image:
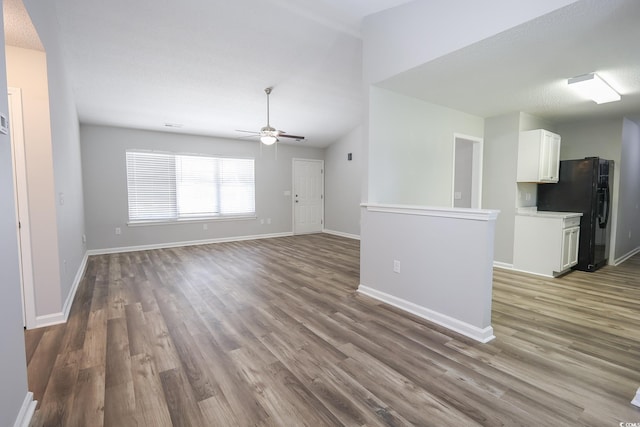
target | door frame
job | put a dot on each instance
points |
(293, 199)
(23, 227)
(476, 176)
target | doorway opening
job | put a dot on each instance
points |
(22, 207)
(467, 172)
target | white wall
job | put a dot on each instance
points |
(628, 229)
(343, 183)
(13, 368)
(411, 147)
(105, 186)
(66, 219)
(599, 138)
(412, 34)
(27, 70)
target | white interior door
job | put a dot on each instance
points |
(308, 196)
(16, 132)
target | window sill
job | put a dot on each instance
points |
(191, 220)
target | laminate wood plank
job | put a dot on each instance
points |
(32, 339)
(94, 350)
(182, 405)
(118, 361)
(42, 361)
(119, 406)
(57, 400)
(217, 411)
(88, 398)
(137, 330)
(272, 332)
(164, 351)
(151, 404)
(417, 405)
(241, 396)
(193, 362)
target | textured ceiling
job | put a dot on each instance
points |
(17, 26)
(526, 68)
(205, 64)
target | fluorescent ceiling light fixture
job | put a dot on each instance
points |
(593, 87)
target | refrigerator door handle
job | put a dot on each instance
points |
(606, 202)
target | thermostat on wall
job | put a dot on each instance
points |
(4, 124)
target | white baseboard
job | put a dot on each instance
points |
(502, 265)
(66, 309)
(61, 317)
(26, 411)
(483, 335)
(636, 400)
(625, 257)
(107, 251)
(341, 234)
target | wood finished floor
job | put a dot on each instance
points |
(272, 333)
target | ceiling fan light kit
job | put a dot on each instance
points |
(594, 87)
(268, 134)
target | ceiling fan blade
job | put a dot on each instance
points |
(296, 137)
(248, 131)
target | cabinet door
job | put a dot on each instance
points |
(570, 240)
(549, 157)
(574, 240)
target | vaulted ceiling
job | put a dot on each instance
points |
(204, 65)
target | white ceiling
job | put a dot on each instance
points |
(205, 64)
(526, 68)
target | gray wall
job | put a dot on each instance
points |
(343, 184)
(411, 146)
(105, 186)
(65, 142)
(628, 233)
(499, 179)
(13, 369)
(499, 187)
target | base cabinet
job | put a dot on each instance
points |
(570, 240)
(547, 243)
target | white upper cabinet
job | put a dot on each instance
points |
(538, 156)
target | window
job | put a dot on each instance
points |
(170, 187)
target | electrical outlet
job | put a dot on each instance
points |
(527, 197)
(84, 238)
(629, 234)
(268, 220)
(396, 266)
(261, 221)
(205, 226)
(118, 231)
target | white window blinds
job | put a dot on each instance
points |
(164, 186)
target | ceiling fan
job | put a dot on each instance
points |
(269, 135)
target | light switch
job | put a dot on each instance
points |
(457, 195)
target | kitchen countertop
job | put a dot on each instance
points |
(548, 214)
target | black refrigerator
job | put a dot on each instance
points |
(584, 186)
